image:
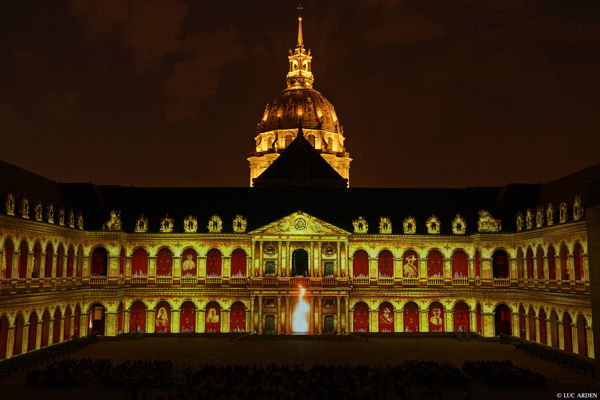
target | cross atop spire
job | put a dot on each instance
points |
(300, 72)
(300, 38)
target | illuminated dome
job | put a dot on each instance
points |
(285, 110)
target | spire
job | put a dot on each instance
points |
(300, 73)
(300, 38)
(300, 133)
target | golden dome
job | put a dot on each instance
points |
(309, 104)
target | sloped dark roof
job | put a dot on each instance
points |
(300, 164)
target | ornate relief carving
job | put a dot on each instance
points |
(24, 208)
(61, 216)
(71, 219)
(360, 225)
(562, 213)
(577, 209)
(10, 204)
(433, 225)
(38, 211)
(519, 221)
(114, 222)
(539, 218)
(79, 220)
(529, 218)
(549, 214)
(190, 224)
(487, 223)
(385, 225)
(409, 225)
(50, 214)
(239, 224)
(141, 224)
(299, 223)
(215, 225)
(459, 225)
(166, 224)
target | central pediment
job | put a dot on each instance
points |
(300, 223)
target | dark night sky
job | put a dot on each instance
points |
(430, 93)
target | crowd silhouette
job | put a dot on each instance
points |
(503, 374)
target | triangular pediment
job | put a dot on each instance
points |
(300, 223)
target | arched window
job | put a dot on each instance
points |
(520, 269)
(522, 327)
(567, 332)
(9, 252)
(386, 317)
(435, 265)
(139, 263)
(360, 264)
(361, 317)
(436, 317)
(96, 318)
(67, 328)
(137, 317)
(410, 264)
(500, 264)
(213, 318)
(299, 263)
(70, 261)
(60, 261)
(99, 262)
(529, 261)
(56, 330)
(213, 263)
(189, 259)
(578, 262)
(23, 255)
(551, 263)
(164, 262)
(238, 263)
(238, 317)
(3, 336)
(460, 265)
(542, 322)
(411, 317)
(539, 254)
(162, 321)
(582, 344)
(45, 328)
(564, 262)
(37, 261)
(33, 321)
(461, 317)
(502, 320)
(18, 339)
(532, 330)
(187, 317)
(385, 264)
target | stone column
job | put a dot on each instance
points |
(175, 317)
(423, 321)
(537, 330)
(561, 335)
(260, 312)
(111, 319)
(25, 341)
(38, 336)
(278, 318)
(226, 271)
(150, 320)
(288, 315)
(351, 321)
(318, 312)
(201, 270)
(449, 321)
(200, 325)
(338, 322)
(447, 273)
(61, 334)
(251, 322)
(374, 321)
(10, 341)
(571, 269)
(488, 324)
(125, 321)
(548, 332)
(338, 261)
(514, 324)
(422, 268)
(259, 268)
(471, 268)
(398, 321)
(590, 342)
(83, 326)
(51, 331)
(225, 321)
(472, 321)
(574, 339)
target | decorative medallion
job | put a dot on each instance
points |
(61, 216)
(270, 250)
(190, 224)
(239, 224)
(529, 218)
(577, 209)
(50, 214)
(519, 221)
(562, 213)
(215, 225)
(409, 225)
(539, 217)
(385, 225)
(114, 222)
(166, 224)
(300, 224)
(360, 225)
(24, 208)
(329, 250)
(79, 220)
(71, 219)
(550, 214)
(487, 223)
(38, 211)
(433, 225)
(10, 204)
(459, 225)
(141, 224)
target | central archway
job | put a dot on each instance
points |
(300, 263)
(502, 320)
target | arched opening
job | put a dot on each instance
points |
(529, 261)
(3, 336)
(189, 258)
(542, 322)
(18, 339)
(213, 318)
(554, 329)
(79, 261)
(461, 317)
(564, 262)
(9, 252)
(582, 345)
(411, 317)
(45, 329)
(33, 322)
(578, 262)
(23, 255)
(410, 264)
(300, 262)
(539, 255)
(329, 325)
(567, 332)
(520, 269)
(460, 265)
(238, 263)
(478, 318)
(522, 327)
(360, 264)
(238, 317)
(269, 324)
(137, 317)
(386, 317)
(551, 263)
(532, 330)
(70, 261)
(37, 260)
(385, 264)
(120, 319)
(96, 319)
(435, 265)
(500, 264)
(67, 330)
(56, 326)
(361, 317)
(187, 317)
(77, 322)
(164, 262)
(436, 317)
(477, 264)
(502, 320)
(162, 321)
(99, 262)
(60, 261)
(139, 263)
(213, 263)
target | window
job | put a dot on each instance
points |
(270, 268)
(329, 268)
